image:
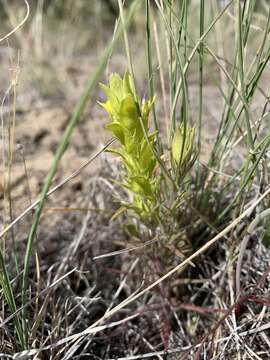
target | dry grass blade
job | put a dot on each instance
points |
(20, 24)
(44, 291)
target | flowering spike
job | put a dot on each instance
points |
(127, 115)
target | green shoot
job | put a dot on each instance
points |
(140, 164)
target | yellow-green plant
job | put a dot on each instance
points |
(130, 125)
(182, 148)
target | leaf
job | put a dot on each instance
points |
(118, 213)
(182, 144)
(132, 141)
(146, 110)
(140, 185)
(117, 131)
(132, 230)
(128, 110)
(116, 86)
(127, 85)
(112, 99)
(127, 159)
(147, 106)
(108, 107)
(147, 160)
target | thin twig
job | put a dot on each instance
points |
(20, 24)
